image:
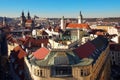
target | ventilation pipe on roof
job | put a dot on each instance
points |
(42, 45)
(23, 36)
(52, 30)
(22, 46)
(26, 50)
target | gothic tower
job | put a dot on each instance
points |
(28, 16)
(80, 18)
(23, 19)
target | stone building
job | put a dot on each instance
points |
(89, 61)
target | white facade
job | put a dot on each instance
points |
(80, 18)
(113, 30)
(62, 23)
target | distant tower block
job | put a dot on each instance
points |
(62, 23)
(80, 17)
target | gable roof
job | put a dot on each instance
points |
(29, 21)
(21, 53)
(75, 25)
(35, 42)
(41, 53)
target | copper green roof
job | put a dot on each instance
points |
(71, 59)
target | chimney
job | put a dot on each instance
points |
(42, 45)
(26, 50)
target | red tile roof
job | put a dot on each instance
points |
(85, 50)
(35, 42)
(21, 52)
(75, 25)
(11, 39)
(41, 53)
(28, 21)
(117, 27)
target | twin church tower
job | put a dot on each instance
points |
(27, 22)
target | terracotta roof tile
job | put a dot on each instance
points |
(28, 21)
(75, 25)
(35, 42)
(117, 27)
(41, 53)
(21, 52)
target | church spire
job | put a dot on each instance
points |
(22, 13)
(28, 17)
(80, 18)
(23, 19)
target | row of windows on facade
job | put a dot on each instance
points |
(83, 72)
(115, 53)
(41, 37)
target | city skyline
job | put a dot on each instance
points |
(59, 8)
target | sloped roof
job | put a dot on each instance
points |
(75, 25)
(28, 21)
(82, 55)
(85, 50)
(21, 53)
(41, 53)
(117, 27)
(35, 42)
(57, 58)
(99, 42)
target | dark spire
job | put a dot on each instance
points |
(81, 14)
(23, 19)
(28, 15)
(22, 13)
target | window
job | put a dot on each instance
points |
(61, 71)
(84, 72)
(81, 72)
(40, 72)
